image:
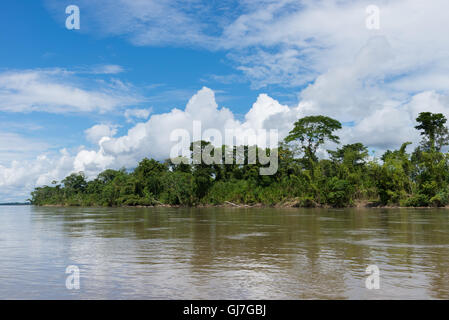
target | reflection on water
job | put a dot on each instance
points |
(219, 253)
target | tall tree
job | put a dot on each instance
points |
(435, 133)
(313, 131)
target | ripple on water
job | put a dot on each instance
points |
(242, 236)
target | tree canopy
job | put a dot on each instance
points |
(313, 131)
(435, 133)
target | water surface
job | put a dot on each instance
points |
(223, 253)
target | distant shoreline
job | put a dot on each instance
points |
(16, 204)
(286, 204)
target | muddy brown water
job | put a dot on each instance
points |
(223, 253)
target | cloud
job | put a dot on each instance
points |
(19, 178)
(107, 69)
(15, 146)
(147, 22)
(95, 133)
(131, 114)
(367, 93)
(328, 34)
(286, 67)
(286, 43)
(60, 91)
(352, 91)
(154, 134)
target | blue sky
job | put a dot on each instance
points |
(112, 92)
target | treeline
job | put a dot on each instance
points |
(348, 175)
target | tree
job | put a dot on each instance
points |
(352, 155)
(202, 172)
(109, 175)
(393, 177)
(179, 188)
(148, 173)
(313, 131)
(75, 182)
(432, 126)
(149, 167)
(179, 164)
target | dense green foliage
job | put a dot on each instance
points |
(420, 178)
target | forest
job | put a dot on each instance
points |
(348, 176)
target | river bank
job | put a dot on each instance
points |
(359, 204)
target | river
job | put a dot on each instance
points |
(223, 253)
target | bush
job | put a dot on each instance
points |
(134, 200)
(441, 199)
(236, 191)
(306, 202)
(338, 192)
(417, 200)
(178, 188)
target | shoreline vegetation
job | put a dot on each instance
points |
(349, 177)
(282, 205)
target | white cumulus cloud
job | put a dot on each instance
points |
(99, 131)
